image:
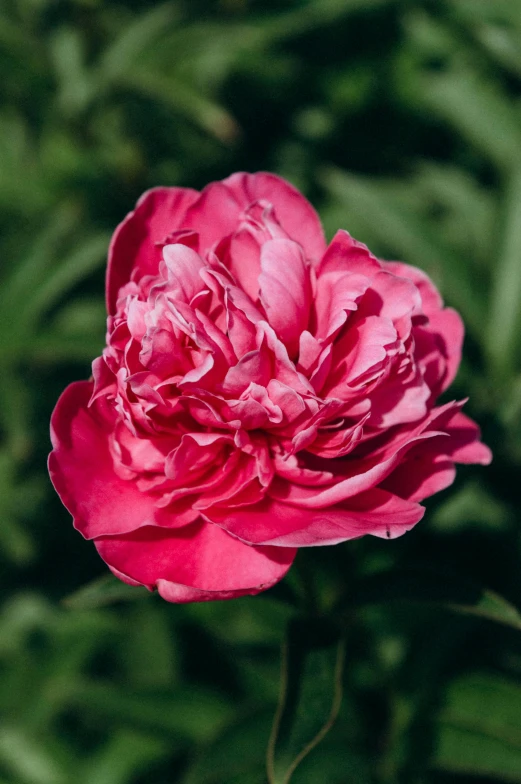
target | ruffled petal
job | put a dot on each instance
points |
(133, 249)
(273, 522)
(216, 213)
(82, 469)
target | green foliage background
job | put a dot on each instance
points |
(401, 120)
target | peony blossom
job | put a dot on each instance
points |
(260, 391)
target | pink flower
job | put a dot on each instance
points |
(259, 392)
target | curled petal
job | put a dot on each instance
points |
(133, 249)
(82, 470)
(273, 522)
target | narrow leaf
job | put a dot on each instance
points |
(482, 112)
(479, 728)
(502, 333)
(103, 591)
(310, 696)
(445, 590)
(84, 260)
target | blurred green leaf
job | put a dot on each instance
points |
(67, 52)
(27, 758)
(310, 697)
(191, 103)
(124, 755)
(237, 752)
(480, 110)
(502, 43)
(142, 32)
(480, 728)
(470, 507)
(447, 590)
(502, 334)
(38, 260)
(105, 590)
(187, 713)
(16, 543)
(87, 257)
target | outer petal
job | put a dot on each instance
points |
(158, 213)
(429, 468)
(465, 446)
(82, 471)
(423, 472)
(215, 214)
(431, 299)
(448, 324)
(273, 522)
(197, 563)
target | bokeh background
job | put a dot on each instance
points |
(401, 121)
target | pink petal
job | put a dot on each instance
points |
(449, 326)
(337, 293)
(197, 563)
(424, 471)
(393, 298)
(133, 250)
(285, 290)
(252, 367)
(396, 402)
(464, 444)
(360, 355)
(346, 254)
(183, 266)
(273, 522)
(243, 261)
(82, 471)
(364, 474)
(293, 211)
(429, 468)
(431, 299)
(217, 211)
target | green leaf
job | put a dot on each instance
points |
(502, 333)
(481, 111)
(103, 591)
(39, 259)
(225, 760)
(135, 38)
(211, 117)
(126, 753)
(439, 588)
(480, 728)
(85, 259)
(472, 506)
(28, 758)
(186, 713)
(310, 696)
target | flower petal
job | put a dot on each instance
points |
(82, 469)
(133, 248)
(273, 522)
(285, 290)
(196, 563)
(217, 211)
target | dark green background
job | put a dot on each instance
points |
(401, 121)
